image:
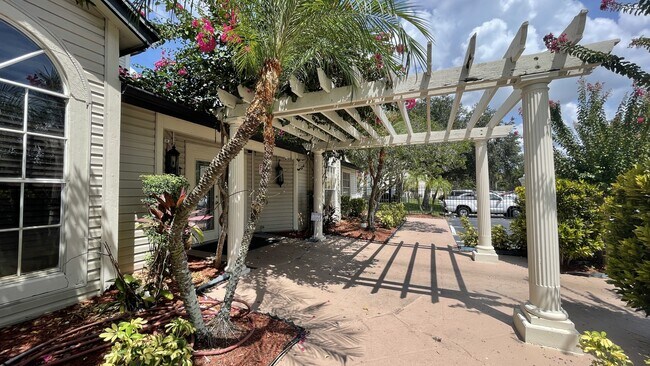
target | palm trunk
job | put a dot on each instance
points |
(258, 111)
(223, 325)
(224, 197)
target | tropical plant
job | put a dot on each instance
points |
(606, 352)
(131, 347)
(628, 236)
(357, 207)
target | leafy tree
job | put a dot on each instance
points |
(598, 149)
(268, 41)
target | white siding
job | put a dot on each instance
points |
(137, 157)
(277, 215)
(82, 33)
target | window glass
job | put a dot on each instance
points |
(44, 157)
(12, 106)
(42, 204)
(14, 43)
(40, 249)
(46, 114)
(9, 205)
(11, 154)
(8, 253)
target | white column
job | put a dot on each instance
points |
(318, 195)
(484, 250)
(541, 320)
(236, 201)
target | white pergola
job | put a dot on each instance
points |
(541, 320)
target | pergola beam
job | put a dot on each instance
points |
(511, 56)
(343, 124)
(418, 138)
(381, 114)
(365, 125)
(297, 87)
(291, 130)
(327, 129)
(304, 126)
(464, 72)
(504, 109)
(324, 81)
(482, 76)
(405, 117)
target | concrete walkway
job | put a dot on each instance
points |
(417, 301)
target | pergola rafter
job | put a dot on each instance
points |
(464, 73)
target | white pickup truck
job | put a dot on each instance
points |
(465, 204)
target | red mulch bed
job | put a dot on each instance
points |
(267, 341)
(351, 228)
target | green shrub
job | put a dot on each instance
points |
(155, 185)
(391, 214)
(605, 351)
(500, 238)
(628, 237)
(580, 220)
(357, 207)
(131, 347)
(518, 225)
(470, 235)
(345, 206)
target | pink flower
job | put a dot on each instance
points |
(142, 13)
(168, 85)
(160, 64)
(553, 104)
(247, 49)
(639, 92)
(640, 119)
(195, 23)
(378, 37)
(182, 72)
(179, 6)
(206, 42)
(410, 104)
(399, 48)
(207, 26)
(607, 4)
(516, 133)
(555, 44)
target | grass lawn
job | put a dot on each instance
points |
(413, 207)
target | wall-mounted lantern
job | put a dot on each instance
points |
(171, 161)
(279, 174)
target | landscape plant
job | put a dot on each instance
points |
(131, 347)
(628, 237)
(391, 215)
(605, 352)
(357, 207)
(579, 217)
(500, 238)
(469, 236)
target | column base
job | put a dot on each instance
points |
(316, 238)
(485, 256)
(561, 334)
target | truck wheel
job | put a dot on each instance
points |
(462, 211)
(513, 212)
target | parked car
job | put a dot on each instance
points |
(465, 204)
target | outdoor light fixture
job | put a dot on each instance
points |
(279, 174)
(171, 161)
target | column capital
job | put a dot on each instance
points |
(532, 82)
(480, 142)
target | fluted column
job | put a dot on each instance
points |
(541, 320)
(318, 195)
(236, 201)
(484, 250)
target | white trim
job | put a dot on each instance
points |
(112, 130)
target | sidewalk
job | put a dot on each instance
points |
(416, 301)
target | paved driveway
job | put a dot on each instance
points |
(416, 301)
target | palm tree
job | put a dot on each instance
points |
(272, 40)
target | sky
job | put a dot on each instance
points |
(497, 21)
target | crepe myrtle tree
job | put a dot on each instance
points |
(611, 62)
(267, 42)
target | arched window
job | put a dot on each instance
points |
(33, 141)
